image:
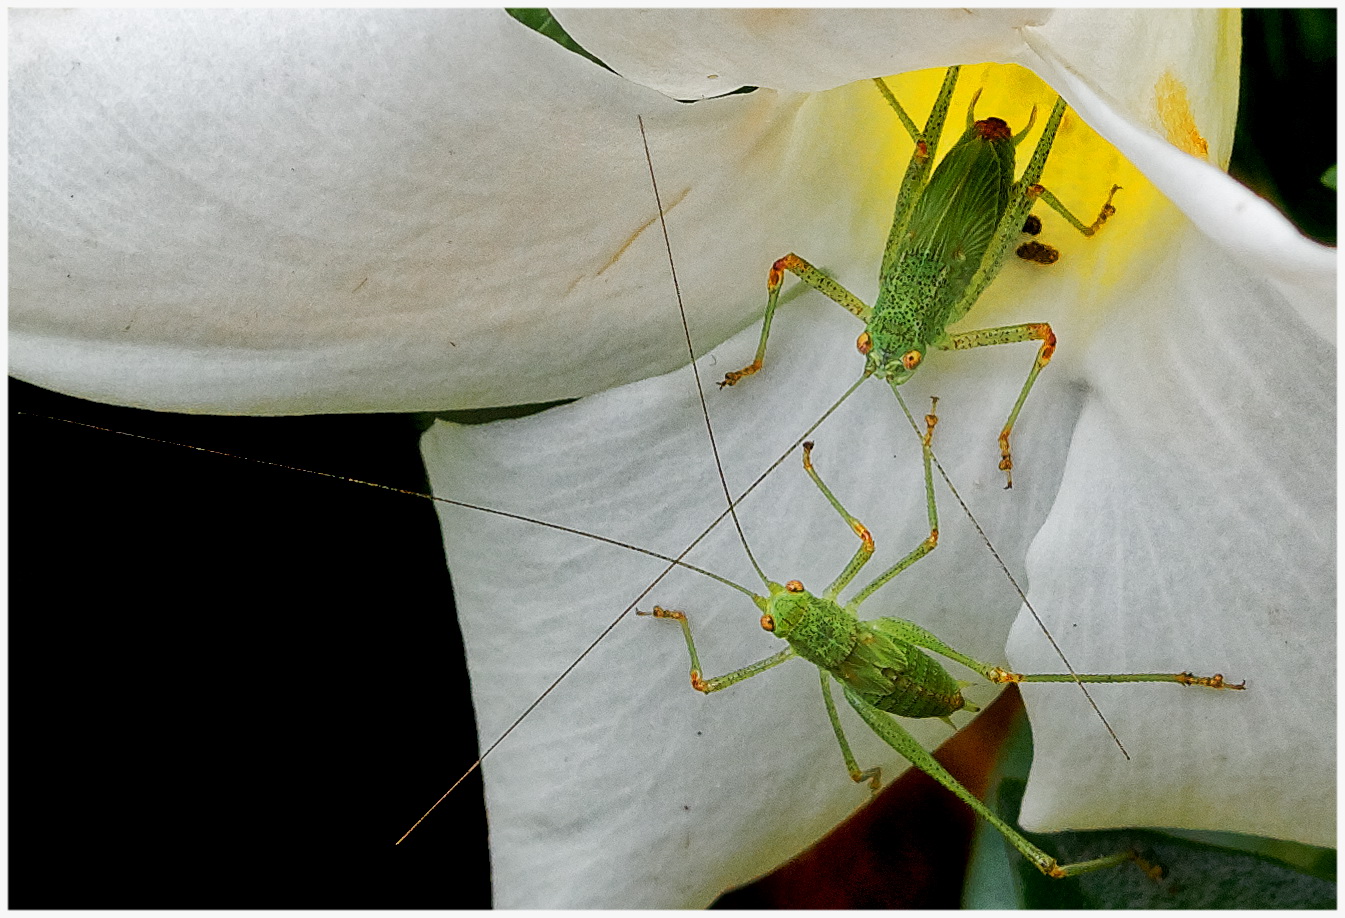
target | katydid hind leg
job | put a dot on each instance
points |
(892, 733)
(895, 736)
(921, 163)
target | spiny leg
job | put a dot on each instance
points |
(1026, 192)
(932, 540)
(922, 159)
(1043, 254)
(717, 682)
(813, 278)
(1029, 185)
(896, 736)
(1037, 330)
(873, 775)
(865, 550)
(1010, 334)
(1055, 204)
(906, 121)
(1217, 681)
(910, 631)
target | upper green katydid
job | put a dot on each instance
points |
(951, 232)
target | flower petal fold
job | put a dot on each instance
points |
(694, 54)
(1194, 530)
(288, 211)
(1167, 332)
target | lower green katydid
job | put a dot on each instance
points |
(952, 230)
(883, 668)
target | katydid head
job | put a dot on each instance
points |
(896, 359)
(785, 608)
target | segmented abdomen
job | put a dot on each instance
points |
(896, 676)
(922, 689)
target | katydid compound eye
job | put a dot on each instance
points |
(911, 359)
(864, 343)
(767, 623)
(794, 586)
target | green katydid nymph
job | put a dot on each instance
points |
(952, 230)
(884, 669)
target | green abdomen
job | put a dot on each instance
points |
(922, 689)
(896, 676)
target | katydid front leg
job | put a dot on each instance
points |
(715, 683)
(819, 281)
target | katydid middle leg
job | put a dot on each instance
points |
(1025, 193)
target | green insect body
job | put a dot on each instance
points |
(939, 249)
(952, 229)
(885, 666)
(877, 659)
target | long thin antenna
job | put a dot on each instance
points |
(1014, 581)
(674, 563)
(691, 355)
(729, 511)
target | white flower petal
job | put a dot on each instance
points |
(415, 234)
(286, 211)
(1218, 347)
(1172, 70)
(1208, 549)
(214, 297)
(1245, 226)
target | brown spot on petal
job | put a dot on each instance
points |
(1174, 112)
